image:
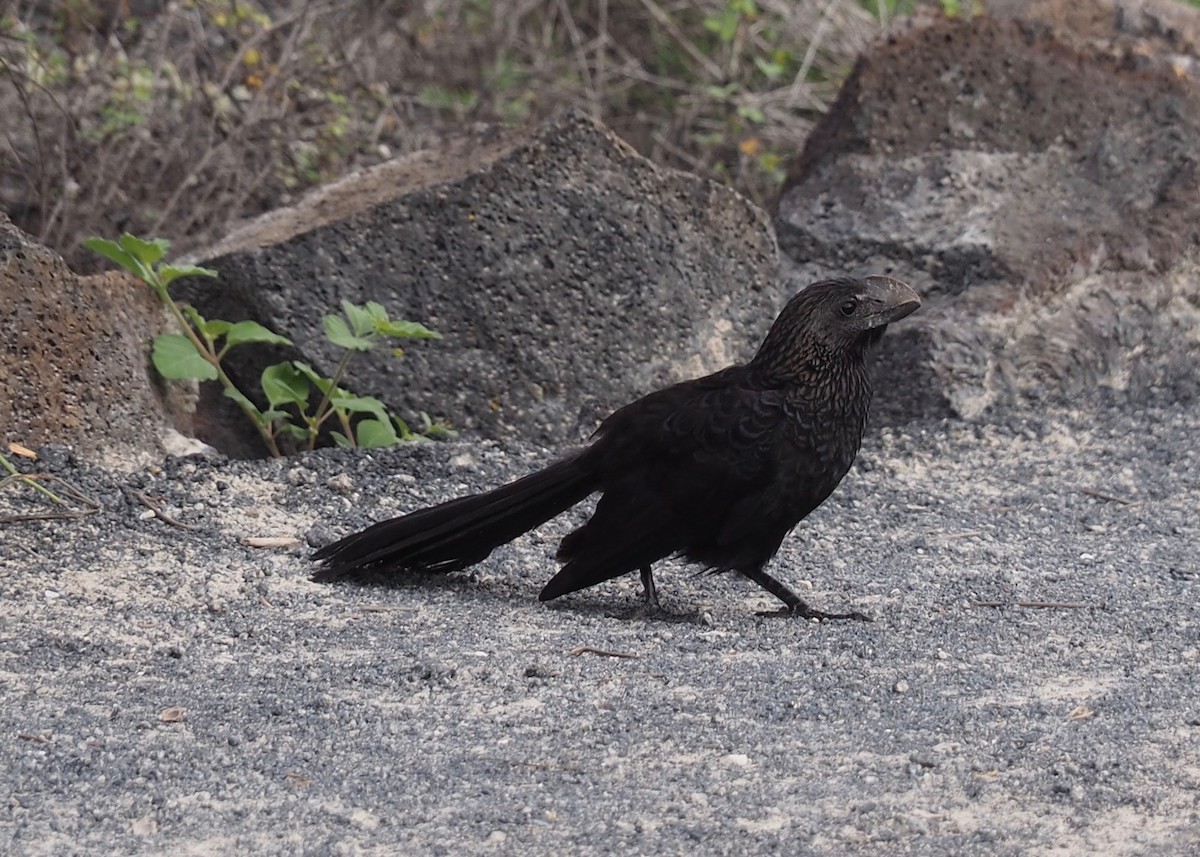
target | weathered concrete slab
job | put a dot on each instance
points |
(74, 357)
(567, 274)
(1037, 176)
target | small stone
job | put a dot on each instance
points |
(922, 758)
(900, 687)
(298, 476)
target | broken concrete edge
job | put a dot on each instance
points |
(360, 192)
(363, 189)
(1058, 247)
(75, 359)
(549, 267)
(849, 129)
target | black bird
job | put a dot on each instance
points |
(716, 470)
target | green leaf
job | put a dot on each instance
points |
(407, 330)
(113, 251)
(299, 433)
(361, 321)
(360, 405)
(194, 316)
(168, 273)
(440, 98)
(339, 334)
(430, 429)
(721, 93)
(176, 357)
(724, 24)
(373, 434)
(284, 384)
(252, 331)
(377, 312)
(319, 381)
(272, 415)
(214, 328)
(146, 252)
(341, 440)
(751, 113)
(770, 70)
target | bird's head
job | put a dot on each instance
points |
(834, 319)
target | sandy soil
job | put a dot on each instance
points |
(177, 690)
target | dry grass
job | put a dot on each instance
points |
(174, 119)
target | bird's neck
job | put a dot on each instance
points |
(829, 387)
(813, 367)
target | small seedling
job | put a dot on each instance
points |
(294, 382)
(196, 352)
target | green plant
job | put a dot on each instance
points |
(188, 115)
(34, 481)
(294, 382)
(16, 475)
(888, 9)
(196, 353)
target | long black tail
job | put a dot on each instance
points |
(459, 533)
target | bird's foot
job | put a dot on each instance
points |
(650, 608)
(795, 605)
(805, 612)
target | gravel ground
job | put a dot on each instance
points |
(176, 690)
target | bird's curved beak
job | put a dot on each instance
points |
(891, 300)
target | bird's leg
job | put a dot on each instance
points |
(651, 609)
(795, 604)
(649, 589)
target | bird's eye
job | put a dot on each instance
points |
(847, 309)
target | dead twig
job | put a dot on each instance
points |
(271, 541)
(35, 738)
(1039, 605)
(591, 650)
(381, 608)
(1112, 498)
(160, 513)
(698, 56)
(30, 480)
(34, 480)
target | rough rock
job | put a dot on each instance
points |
(1034, 172)
(74, 357)
(567, 274)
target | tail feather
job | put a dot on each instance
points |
(617, 558)
(610, 545)
(459, 533)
